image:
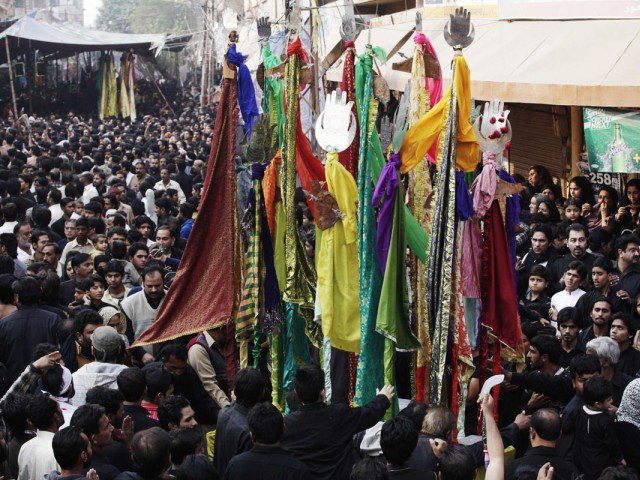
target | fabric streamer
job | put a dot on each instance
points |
(421, 136)
(338, 288)
(484, 186)
(499, 299)
(112, 88)
(370, 374)
(289, 348)
(300, 283)
(246, 92)
(423, 96)
(384, 199)
(433, 86)
(349, 157)
(442, 244)
(273, 99)
(131, 83)
(260, 302)
(393, 310)
(124, 91)
(205, 291)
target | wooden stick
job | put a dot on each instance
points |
(161, 94)
(13, 91)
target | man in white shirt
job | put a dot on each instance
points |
(107, 348)
(165, 183)
(573, 277)
(89, 190)
(23, 235)
(36, 457)
(53, 201)
(81, 243)
(10, 213)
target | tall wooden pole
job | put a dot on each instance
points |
(13, 91)
(576, 140)
(205, 63)
(205, 58)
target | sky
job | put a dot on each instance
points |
(91, 11)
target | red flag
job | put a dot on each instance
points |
(204, 292)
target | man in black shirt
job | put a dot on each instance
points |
(93, 422)
(601, 278)
(544, 433)
(627, 269)
(266, 460)
(569, 331)
(25, 328)
(152, 452)
(320, 435)
(600, 317)
(232, 429)
(577, 241)
(546, 376)
(398, 439)
(623, 331)
(132, 386)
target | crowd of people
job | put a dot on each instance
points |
(94, 220)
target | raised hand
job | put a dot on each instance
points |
(418, 22)
(459, 31)
(545, 472)
(47, 361)
(348, 28)
(127, 428)
(388, 391)
(264, 27)
(492, 127)
(336, 125)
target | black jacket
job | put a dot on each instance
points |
(140, 417)
(20, 332)
(630, 281)
(119, 456)
(320, 435)
(232, 435)
(596, 445)
(534, 310)
(536, 457)
(264, 462)
(185, 181)
(557, 387)
(585, 304)
(69, 352)
(67, 291)
(629, 438)
(629, 362)
(189, 386)
(424, 460)
(103, 467)
(58, 227)
(558, 267)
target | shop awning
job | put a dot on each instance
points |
(28, 35)
(554, 62)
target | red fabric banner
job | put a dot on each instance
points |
(204, 291)
(499, 299)
(349, 157)
(308, 166)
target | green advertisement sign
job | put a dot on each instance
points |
(613, 140)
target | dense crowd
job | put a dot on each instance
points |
(95, 217)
